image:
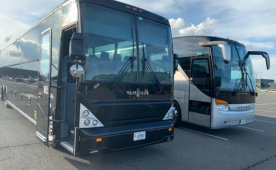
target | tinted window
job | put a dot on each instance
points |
(185, 63)
(201, 75)
(231, 73)
(109, 41)
(45, 56)
(189, 46)
(155, 51)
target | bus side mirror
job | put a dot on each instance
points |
(175, 61)
(226, 52)
(262, 53)
(76, 48)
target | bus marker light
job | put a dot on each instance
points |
(221, 102)
(140, 10)
(87, 122)
(95, 122)
(85, 113)
(135, 9)
(128, 7)
(99, 140)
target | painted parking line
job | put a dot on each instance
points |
(205, 134)
(265, 107)
(245, 127)
(271, 106)
(270, 111)
(265, 104)
(265, 121)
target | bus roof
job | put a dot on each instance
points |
(128, 8)
(108, 3)
(210, 38)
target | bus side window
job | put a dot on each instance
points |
(185, 63)
(201, 75)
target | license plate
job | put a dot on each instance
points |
(139, 136)
(243, 122)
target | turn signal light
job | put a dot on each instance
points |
(99, 140)
(170, 129)
(221, 102)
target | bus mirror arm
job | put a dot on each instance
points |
(262, 53)
(175, 61)
(76, 47)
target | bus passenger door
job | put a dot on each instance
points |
(44, 90)
(200, 92)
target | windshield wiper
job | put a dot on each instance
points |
(146, 65)
(244, 72)
(252, 91)
(240, 65)
(124, 69)
(237, 87)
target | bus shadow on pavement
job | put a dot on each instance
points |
(220, 133)
(117, 159)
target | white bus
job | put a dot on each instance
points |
(215, 86)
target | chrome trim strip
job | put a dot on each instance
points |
(21, 112)
(75, 142)
(38, 134)
(67, 146)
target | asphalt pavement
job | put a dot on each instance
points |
(246, 147)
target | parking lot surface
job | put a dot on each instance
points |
(246, 147)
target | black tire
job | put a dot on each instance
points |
(177, 116)
(8, 106)
(2, 93)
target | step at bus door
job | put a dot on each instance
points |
(44, 87)
(200, 92)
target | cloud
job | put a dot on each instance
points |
(8, 38)
(252, 45)
(10, 29)
(17, 16)
(179, 27)
(260, 67)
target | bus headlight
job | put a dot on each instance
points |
(223, 107)
(87, 122)
(88, 119)
(85, 113)
(170, 114)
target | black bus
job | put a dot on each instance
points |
(93, 75)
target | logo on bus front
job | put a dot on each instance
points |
(243, 107)
(138, 92)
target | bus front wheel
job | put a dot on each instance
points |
(177, 115)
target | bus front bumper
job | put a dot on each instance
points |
(229, 119)
(122, 137)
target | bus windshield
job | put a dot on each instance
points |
(234, 77)
(111, 47)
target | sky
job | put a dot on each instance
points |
(251, 22)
